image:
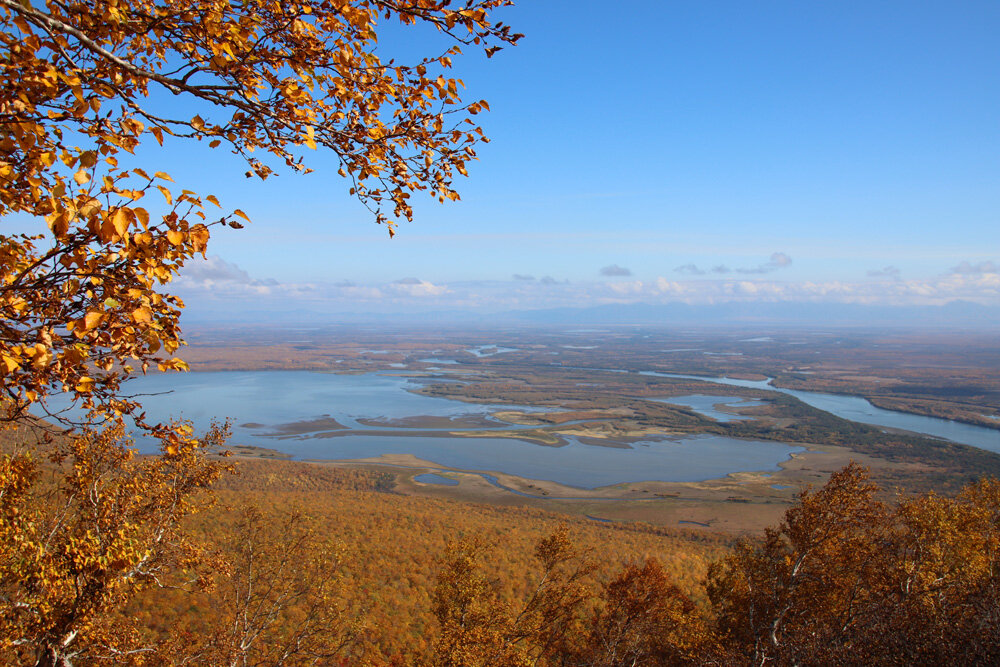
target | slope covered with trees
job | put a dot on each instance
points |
(305, 564)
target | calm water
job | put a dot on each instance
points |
(706, 405)
(432, 478)
(490, 350)
(690, 459)
(861, 410)
(280, 397)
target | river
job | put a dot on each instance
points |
(861, 410)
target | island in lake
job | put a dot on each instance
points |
(715, 428)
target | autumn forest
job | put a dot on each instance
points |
(277, 492)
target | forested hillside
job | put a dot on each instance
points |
(298, 563)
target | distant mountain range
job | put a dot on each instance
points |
(955, 314)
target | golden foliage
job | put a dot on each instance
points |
(390, 549)
(360, 579)
(84, 533)
(644, 619)
(478, 629)
(845, 580)
(279, 598)
(82, 87)
(83, 300)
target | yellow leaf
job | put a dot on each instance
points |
(92, 319)
(175, 237)
(85, 385)
(142, 315)
(121, 221)
(81, 177)
(241, 214)
(166, 194)
(199, 238)
(163, 176)
(12, 363)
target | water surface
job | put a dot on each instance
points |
(704, 404)
(279, 397)
(433, 478)
(861, 410)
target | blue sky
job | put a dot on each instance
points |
(693, 151)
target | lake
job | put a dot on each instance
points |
(271, 398)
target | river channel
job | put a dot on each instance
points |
(861, 410)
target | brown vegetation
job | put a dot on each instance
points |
(326, 565)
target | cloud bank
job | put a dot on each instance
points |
(215, 279)
(778, 260)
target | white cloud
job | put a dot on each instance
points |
(216, 280)
(214, 269)
(664, 286)
(420, 288)
(629, 287)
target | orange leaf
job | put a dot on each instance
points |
(121, 221)
(92, 319)
(142, 315)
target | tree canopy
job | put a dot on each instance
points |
(84, 294)
(84, 84)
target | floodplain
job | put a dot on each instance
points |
(595, 422)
